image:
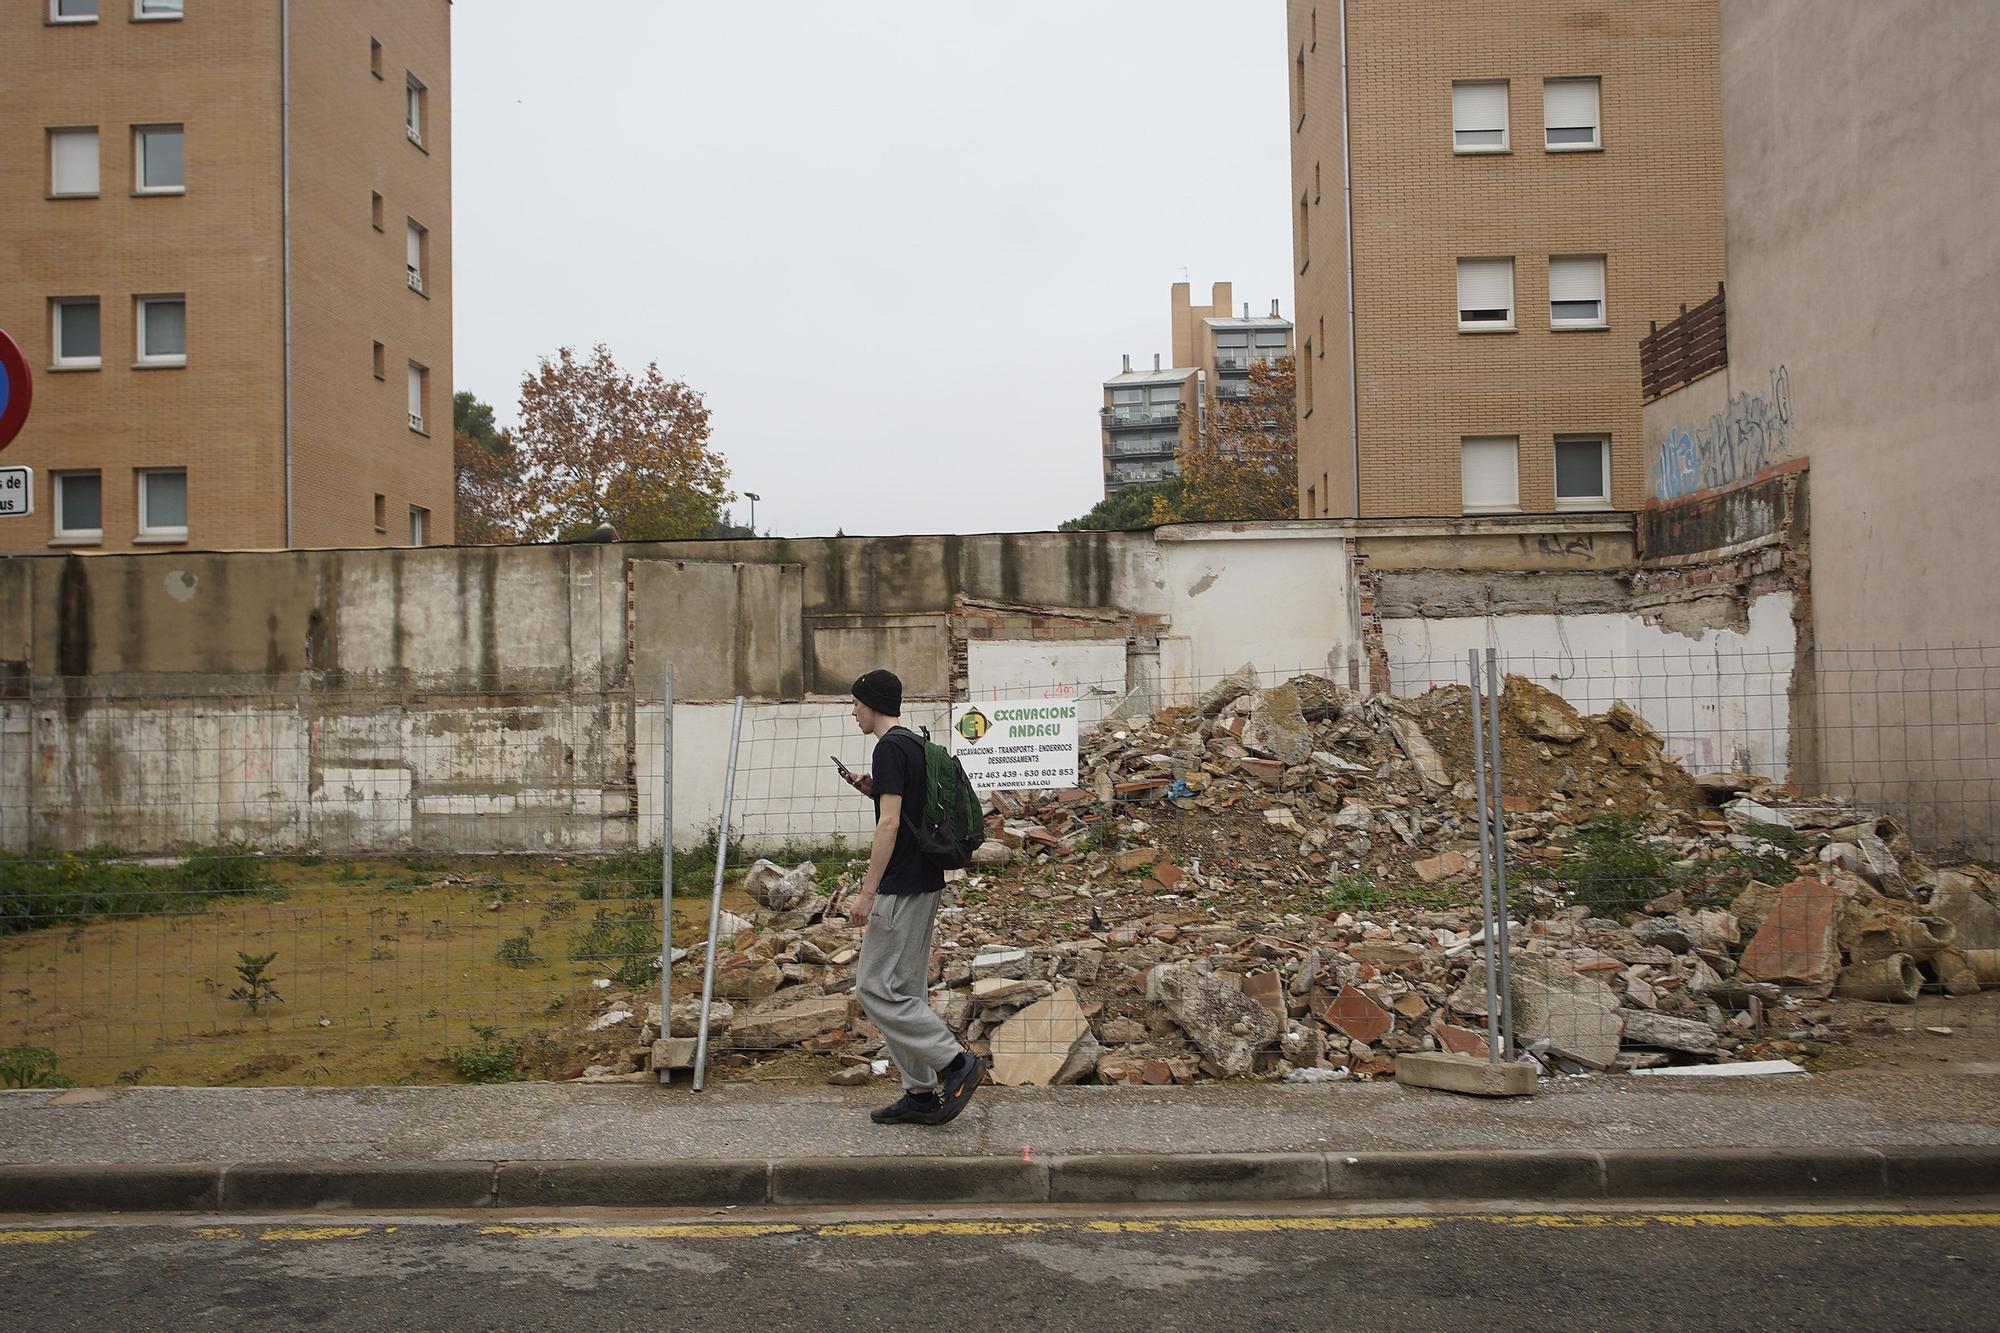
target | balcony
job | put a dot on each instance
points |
(1232, 391)
(1122, 418)
(416, 281)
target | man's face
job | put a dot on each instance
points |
(864, 716)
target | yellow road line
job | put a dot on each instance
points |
(1086, 1226)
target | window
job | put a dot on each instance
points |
(73, 163)
(1569, 115)
(1322, 335)
(420, 384)
(1583, 472)
(420, 525)
(162, 326)
(156, 9)
(1490, 475)
(416, 242)
(1299, 91)
(1576, 291)
(79, 507)
(381, 365)
(1479, 117)
(1303, 232)
(1232, 351)
(73, 11)
(163, 504)
(413, 109)
(159, 159)
(76, 332)
(381, 513)
(1305, 381)
(1272, 344)
(375, 57)
(1485, 295)
(1315, 182)
(375, 209)
(1312, 501)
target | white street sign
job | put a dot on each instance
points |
(17, 492)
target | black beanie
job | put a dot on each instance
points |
(881, 691)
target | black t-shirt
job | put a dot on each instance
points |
(899, 771)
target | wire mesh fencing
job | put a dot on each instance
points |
(220, 880)
(1710, 858)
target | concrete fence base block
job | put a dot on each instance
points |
(1190, 1178)
(1467, 1074)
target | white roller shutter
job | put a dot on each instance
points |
(1485, 286)
(1576, 289)
(73, 162)
(1569, 112)
(1490, 474)
(1478, 115)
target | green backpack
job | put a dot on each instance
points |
(947, 824)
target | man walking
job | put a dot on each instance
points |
(897, 910)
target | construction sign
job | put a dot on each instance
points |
(1016, 744)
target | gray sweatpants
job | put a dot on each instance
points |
(893, 983)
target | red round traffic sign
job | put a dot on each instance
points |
(17, 389)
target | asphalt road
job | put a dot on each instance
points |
(1717, 1271)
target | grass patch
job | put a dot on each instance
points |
(39, 889)
(493, 1060)
(625, 944)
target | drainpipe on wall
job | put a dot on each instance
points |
(1347, 198)
(285, 214)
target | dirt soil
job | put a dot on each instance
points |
(382, 968)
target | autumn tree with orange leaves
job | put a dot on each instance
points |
(597, 444)
(1244, 463)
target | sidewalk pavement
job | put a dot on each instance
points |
(1850, 1134)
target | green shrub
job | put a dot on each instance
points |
(1609, 869)
(519, 950)
(625, 944)
(40, 889)
(31, 1067)
(491, 1061)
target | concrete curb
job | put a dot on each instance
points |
(1570, 1175)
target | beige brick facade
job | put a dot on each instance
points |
(1647, 199)
(220, 243)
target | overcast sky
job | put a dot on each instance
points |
(898, 246)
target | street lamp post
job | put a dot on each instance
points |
(753, 498)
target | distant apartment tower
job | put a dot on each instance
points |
(1149, 415)
(1531, 182)
(229, 242)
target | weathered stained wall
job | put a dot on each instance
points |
(503, 699)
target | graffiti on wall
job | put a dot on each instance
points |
(1752, 433)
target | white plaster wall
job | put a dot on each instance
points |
(1720, 701)
(1274, 596)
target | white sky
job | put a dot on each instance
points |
(897, 245)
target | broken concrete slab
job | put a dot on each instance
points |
(1473, 1076)
(1227, 1026)
(788, 1020)
(1645, 1028)
(1034, 1046)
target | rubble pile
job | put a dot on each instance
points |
(1284, 882)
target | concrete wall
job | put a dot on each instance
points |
(1864, 260)
(508, 698)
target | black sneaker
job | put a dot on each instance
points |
(955, 1092)
(912, 1108)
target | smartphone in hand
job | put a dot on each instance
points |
(843, 769)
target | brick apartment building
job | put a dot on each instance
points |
(239, 316)
(1148, 415)
(1531, 182)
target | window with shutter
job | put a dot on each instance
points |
(1485, 295)
(1576, 291)
(1490, 474)
(1569, 115)
(73, 162)
(1479, 117)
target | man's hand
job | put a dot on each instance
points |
(861, 782)
(862, 907)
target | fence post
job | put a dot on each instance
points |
(1489, 928)
(1496, 684)
(715, 897)
(667, 851)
